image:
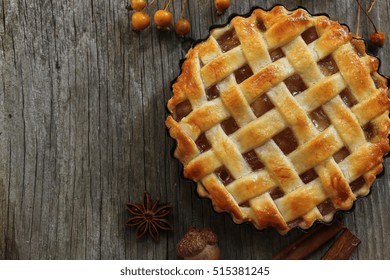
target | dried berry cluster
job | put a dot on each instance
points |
(163, 18)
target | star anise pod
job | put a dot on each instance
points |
(148, 217)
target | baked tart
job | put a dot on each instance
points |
(281, 118)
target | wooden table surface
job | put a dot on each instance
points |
(83, 104)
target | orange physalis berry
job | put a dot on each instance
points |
(222, 5)
(163, 19)
(140, 20)
(378, 38)
(138, 5)
(182, 27)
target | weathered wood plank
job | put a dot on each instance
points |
(82, 100)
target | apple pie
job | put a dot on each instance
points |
(280, 118)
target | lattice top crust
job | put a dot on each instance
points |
(281, 118)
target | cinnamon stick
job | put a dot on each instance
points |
(308, 243)
(343, 247)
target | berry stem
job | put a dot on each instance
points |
(150, 4)
(167, 3)
(373, 24)
(183, 8)
(372, 3)
(358, 20)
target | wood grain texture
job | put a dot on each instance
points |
(83, 103)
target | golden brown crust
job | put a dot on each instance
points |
(267, 214)
(187, 85)
(185, 149)
(221, 198)
(246, 171)
(286, 29)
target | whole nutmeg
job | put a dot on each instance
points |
(198, 244)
